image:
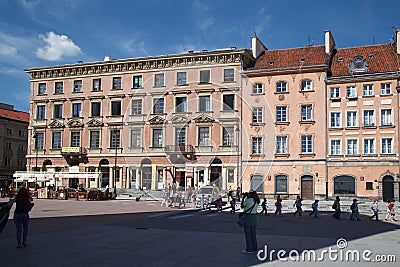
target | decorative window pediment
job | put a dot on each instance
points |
(56, 124)
(180, 120)
(203, 118)
(94, 123)
(75, 124)
(358, 64)
(157, 120)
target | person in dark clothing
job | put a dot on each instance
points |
(21, 216)
(336, 206)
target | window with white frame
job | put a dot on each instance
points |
(256, 144)
(39, 144)
(77, 86)
(336, 120)
(115, 138)
(229, 75)
(76, 110)
(57, 111)
(386, 89)
(368, 90)
(351, 119)
(58, 88)
(227, 136)
(205, 76)
(369, 118)
(117, 83)
(116, 108)
(75, 139)
(257, 115)
(228, 101)
(258, 88)
(281, 145)
(306, 144)
(181, 78)
(158, 107)
(281, 87)
(386, 117)
(40, 112)
(42, 89)
(95, 109)
(352, 147)
(204, 136)
(136, 106)
(306, 112)
(94, 139)
(387, 146)
(180, 104)
(306, 85)
(204, 103)
(56, 140)
(369, 146)
(96, 86)
(137, 81)
(281, 114)
(336, 147)
(159, 80)
(136, 137)
(335, 92)
(351, 91)
(180, 137)
(281, 184)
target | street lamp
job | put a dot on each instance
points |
(114, 133)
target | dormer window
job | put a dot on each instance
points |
(358, 64)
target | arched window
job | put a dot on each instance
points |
(344, 185)
(281, 184)
(257, 183)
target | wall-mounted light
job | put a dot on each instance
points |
(269, 177)
(361, 178)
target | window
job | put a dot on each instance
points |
(95, 139)
(229, 75)
(281, 87)
(58, 111)
(229, 102)
(281, 184)
(77, 86)
(158, 107)
(306, 144)
(39, 144)
(115, 138)
(227, 136)
(351, 119)
(117, 83)
(56, 140)
(368, 90)
(136, 106)
(181, 78)
(336, 147)
(281, 145)
(306, 112)
(257, 115)
(281, 114)
(116, 108)
(386, 89)
(258, 88)
(8, 145)
(204, 76)
(369, 146)
(59, 88)
(351, 91)
(7, 161)
(256, 145)
(180, 104)
(335, 92)
(42, 89)
(41, 112)
(306, 85)
(21, 133)
(21, 148)
(76, 110)
(180, 137)
(369, 118)
(75, 139)
(9, 131)
(386, 117)
(21, 162)
(137, 81)
(387, 146)
(204, 136)
(352, 147)
(159, 80)
(95, 109)
(335, 120)
(204, 103)
(96, 85)
(157, 138)
(136, 138)
(369, 186)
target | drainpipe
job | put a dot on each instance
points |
(326, 137)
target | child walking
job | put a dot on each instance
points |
(314, 207)
(264, 207)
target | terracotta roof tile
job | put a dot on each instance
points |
(291, 58)
(14, 115)
(380, 59)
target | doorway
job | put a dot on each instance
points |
(307, 187)
(388, 188)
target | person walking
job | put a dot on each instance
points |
(24, 204)
(355, 216)
(389, 210)
(278, 206)
(264, 207)
(166, 198)
(233, 204)
(314, 211)
(298, 204)
(250, 206)
(374, 208)
(336, 206)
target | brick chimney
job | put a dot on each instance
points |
(329, 42)
(257, 47)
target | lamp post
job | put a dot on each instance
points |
(114, 133)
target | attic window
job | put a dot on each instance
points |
(302, 60)
(358, 64)
(370, 56)
(340, 59)
(271, 63)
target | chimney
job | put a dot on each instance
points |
(398, 42)
(329, 42)
(257, 47)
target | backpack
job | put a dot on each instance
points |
(334, 205)
(352, 206)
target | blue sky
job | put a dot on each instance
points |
(38, 33)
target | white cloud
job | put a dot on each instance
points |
(205, 23)
(7, 50)
(264, 20)
(57, 47)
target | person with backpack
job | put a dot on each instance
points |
(374, 208)
(314, 211)
(354, 211)
(298, 205)
(250, 206)
(278, 206)
(264, 207)
(336, 207)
